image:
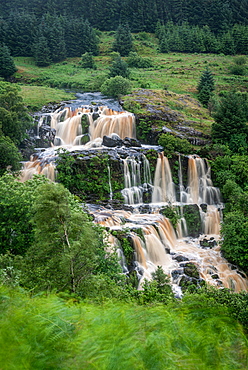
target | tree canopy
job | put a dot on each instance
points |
(14, 117)
(230, 118)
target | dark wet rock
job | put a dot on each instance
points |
(130, 142)
(204, 207)
(187, 281)
(145, 208)
(191, 270)
(197, 141)
(51, 107)
(215, 276)
(193, 219)
(112, 141)
(176, 274)
(95, 116)
(167, 130)
(207, 243)
(180, 258)
(219, 283)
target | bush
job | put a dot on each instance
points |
(116, 86)
(136, 61)
(235, 235)
(9, 155)
(173, 144)
(119, 68)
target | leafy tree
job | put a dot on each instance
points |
(123, 40)
(116, 86)
(119, 68)
(67, 248)
(16, 199)
(54, 33)
(14, 119)
(20, 32)
(9, 155)
(236, 199)
(7, 66)
(227, 44)
(89, 40)
(240, 38)
(235, 236)
(205, 87)
(233, 167)
(230, 117)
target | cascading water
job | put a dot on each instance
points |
(156, 243)
(164, 190)
(136, 170)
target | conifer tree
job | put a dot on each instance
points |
(89, 40)
(205, 87)
(123, 40)
(54, 33)
(87, 61)
(163, 43)
(42, 54)
(7, 65)
(227, 44)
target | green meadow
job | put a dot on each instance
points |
(176, 72)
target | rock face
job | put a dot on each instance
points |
(154, 109)
(96, 176)
(116, 141)
(192, 216)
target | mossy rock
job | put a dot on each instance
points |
(192, 216)
(191, 270)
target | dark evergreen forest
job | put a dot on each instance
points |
(53, 30)
(141, 15)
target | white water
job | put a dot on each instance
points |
(159, 244)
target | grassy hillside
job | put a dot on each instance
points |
(176, 73)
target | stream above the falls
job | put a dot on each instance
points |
(93, 129)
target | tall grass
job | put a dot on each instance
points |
(34, 97)
(48, 333)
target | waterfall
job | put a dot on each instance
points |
(120, 123)
(160, 247)
(110, 185)
(156, 243)
(164, 190)
(136, 169)
(141, 255)
(200, 186)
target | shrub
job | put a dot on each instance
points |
(116, 86)
(173, 144)
(136, 61)
(119, 68)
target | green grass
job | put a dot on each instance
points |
(46, 332)
(177, 73)
(35, 97)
